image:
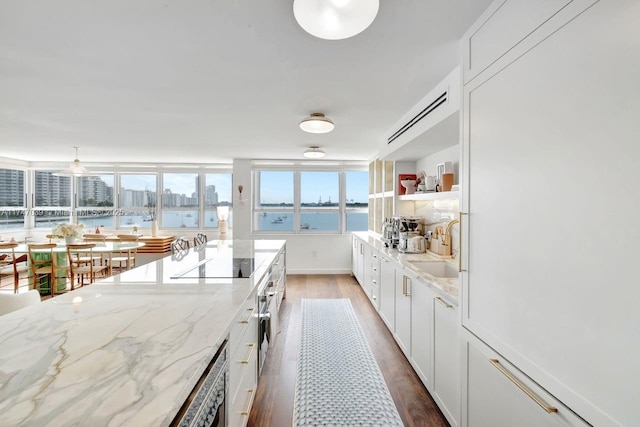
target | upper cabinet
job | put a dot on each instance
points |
(432, 125)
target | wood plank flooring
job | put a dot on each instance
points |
(273, 405)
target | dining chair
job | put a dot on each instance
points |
(79, 267)
(125, 252)
(200, 240)
(11, 302)
(44, 265)
(12, 265)
(179, 245)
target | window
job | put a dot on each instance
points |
(96, 201)
(217, 192)
(12, 201)
(137, 200)
(52, 199)
(305, 201)
(180, 200)
(357, 200)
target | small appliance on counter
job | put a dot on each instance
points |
(391, 232)
(411, 242)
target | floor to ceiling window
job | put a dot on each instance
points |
(12, 200)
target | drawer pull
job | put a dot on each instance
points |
(443, 302)
(547, 408)
(375, 256)
(374, 282)
(250, 310)
(375, 269)
(249, 403)
(246, 360)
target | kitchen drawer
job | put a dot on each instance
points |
(241, 324)
(242, 391)
(498, 394)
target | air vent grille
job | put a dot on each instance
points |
(421, 115)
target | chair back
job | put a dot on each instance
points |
(37, 261)
(179, 245)
(9, 260)
(200, 240)
(92, 237)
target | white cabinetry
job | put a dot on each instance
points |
(387, 304)
(542, 116)
(402, 332)
(357, 260)
(243, 368)
(499, 395)
(446, 358)
(422, 330)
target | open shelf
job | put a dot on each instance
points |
(431, 196)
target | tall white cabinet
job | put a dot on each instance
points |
(551, 159)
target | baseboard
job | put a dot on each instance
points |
(317, 271)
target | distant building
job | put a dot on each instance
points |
(211, 196)
(93, 191)
(52, 190)
(11, 187)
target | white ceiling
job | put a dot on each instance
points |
(207, 81)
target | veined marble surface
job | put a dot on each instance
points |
(129, 353)
(448, 288)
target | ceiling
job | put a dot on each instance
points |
(207, 81)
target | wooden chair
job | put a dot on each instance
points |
(200, 240)
(43, 264)
(125, 257)
(12, 265)
(78, 254)
(99, 240)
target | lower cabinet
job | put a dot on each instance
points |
(402, 331)
(446, 358)
(243, 365)
(497, 394)
(387, 302)
(422, 330)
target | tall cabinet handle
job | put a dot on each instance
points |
(547, 408)
(460, 270)
(443, 302)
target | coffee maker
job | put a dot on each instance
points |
(391, 232)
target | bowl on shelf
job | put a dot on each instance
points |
(409, 185)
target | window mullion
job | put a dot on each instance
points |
(296, 202)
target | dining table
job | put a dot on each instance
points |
(106, 248)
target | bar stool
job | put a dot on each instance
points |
(78, 254)
(200, 240)
(42, 266)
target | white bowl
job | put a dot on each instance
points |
(409, 185)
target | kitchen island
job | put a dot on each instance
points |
(127, 350)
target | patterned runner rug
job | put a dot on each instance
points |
(338, 382)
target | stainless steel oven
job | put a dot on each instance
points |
(267, 319)
(206, 406)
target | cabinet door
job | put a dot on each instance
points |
(499, 395)
(551, 150)
(422, 330)
(358, 260)
(446, 358)
(387, 293)
(403, 311)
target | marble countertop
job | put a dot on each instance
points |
(130, 352)
(447, 288)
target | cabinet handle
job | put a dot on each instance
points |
(443, 302)
(547, 408)
(460, 270)
(375, 269)
(384, 259)
(248, 408)
(404, 285)
(361, 249)
(250, 310)
(374, 282)
(374, 297)
(246, 360)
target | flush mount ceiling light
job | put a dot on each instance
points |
(75, 168)
(313, 152)
(335, 19)
(317, 123)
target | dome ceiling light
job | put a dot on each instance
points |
(335, 19)
(317, 123)
(313, 152)
(75, 168)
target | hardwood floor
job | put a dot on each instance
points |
(273, 405)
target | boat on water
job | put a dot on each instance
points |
(276, 220)
(263, 214)
(304, 226)
(188, 215)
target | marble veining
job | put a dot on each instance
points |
(127, 355)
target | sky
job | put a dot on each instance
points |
(277, 186)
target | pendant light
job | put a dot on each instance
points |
(335, 19)
(313, 152)
(317, 123)
(75, 168)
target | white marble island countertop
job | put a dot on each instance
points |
(129, 353)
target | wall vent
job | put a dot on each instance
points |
(433, 106)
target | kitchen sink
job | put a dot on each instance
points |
(437, 268)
